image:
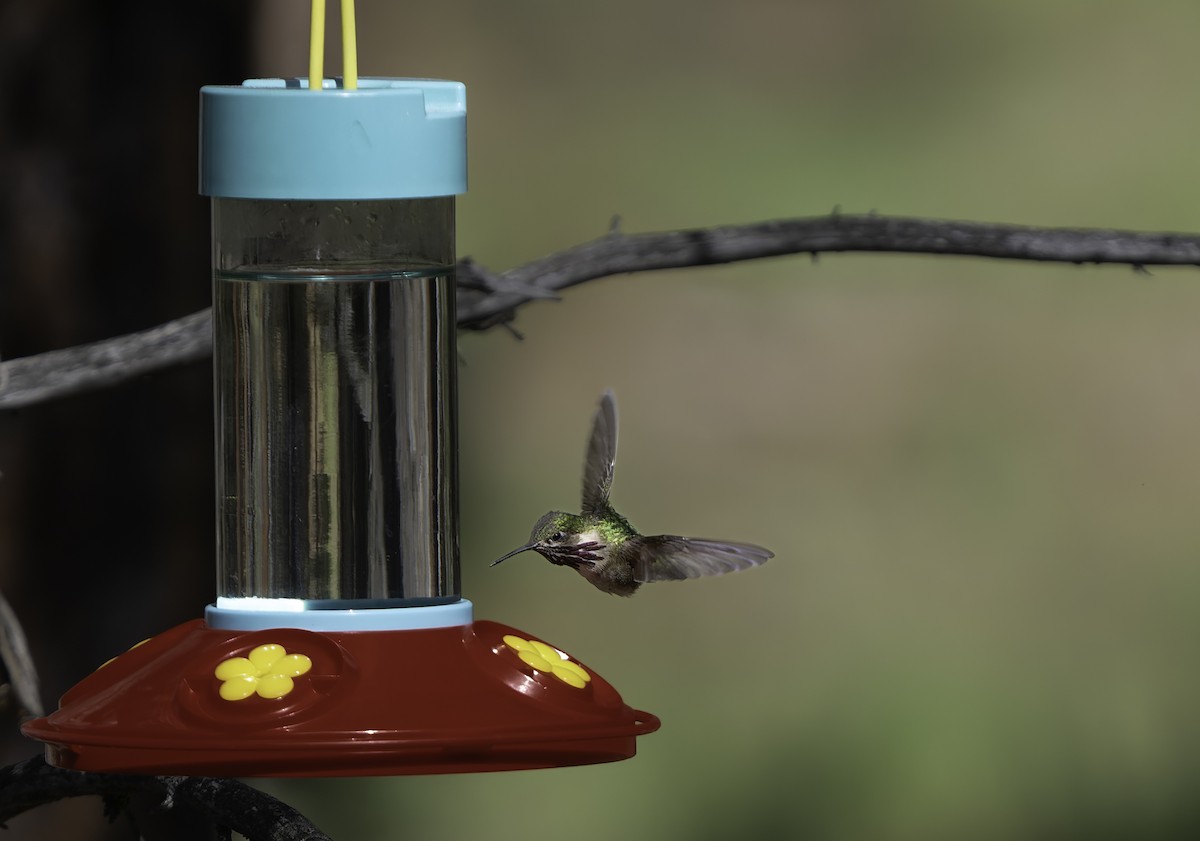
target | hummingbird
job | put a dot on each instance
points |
(605, 549)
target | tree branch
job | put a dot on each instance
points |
(57, 373)
(226, 802)
(487, 299)
(621, 253)
(20, 678)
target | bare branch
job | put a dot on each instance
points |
(226, 802)
(20, 673)
(57, 373)
(486, 299)
(619, 253)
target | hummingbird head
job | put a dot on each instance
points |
(560, 538)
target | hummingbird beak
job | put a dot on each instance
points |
(524, 548)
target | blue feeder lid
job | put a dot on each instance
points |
(389, 139)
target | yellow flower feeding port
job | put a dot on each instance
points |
(267, 671)
(549, 660)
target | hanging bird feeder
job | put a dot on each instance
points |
(339, 642)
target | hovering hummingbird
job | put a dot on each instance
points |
(604, 548)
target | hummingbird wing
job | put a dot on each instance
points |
(601, 460)
(666, 557)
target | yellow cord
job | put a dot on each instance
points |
(316, 47)
(349, 47)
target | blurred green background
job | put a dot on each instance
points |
(979, 477)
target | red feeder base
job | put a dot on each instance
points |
(477, 697)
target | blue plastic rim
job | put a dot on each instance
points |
(261, 614)
(389, 139)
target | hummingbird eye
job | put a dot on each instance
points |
(556, 537)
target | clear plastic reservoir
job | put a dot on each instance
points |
(335, 358)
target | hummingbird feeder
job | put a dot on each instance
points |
(339, 642)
